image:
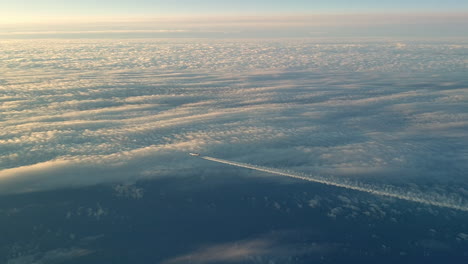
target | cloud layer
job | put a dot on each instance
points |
(77, 113)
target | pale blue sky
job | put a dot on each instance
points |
(157, 7)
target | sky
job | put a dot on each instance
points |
(160, 7)
(232, 19)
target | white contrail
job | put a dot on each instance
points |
(389, 191)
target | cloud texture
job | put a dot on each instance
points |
(77, 113)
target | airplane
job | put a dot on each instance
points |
(194, 154)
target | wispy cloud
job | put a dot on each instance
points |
(53, 256)
(270, 248)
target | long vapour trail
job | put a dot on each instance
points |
(388, 191)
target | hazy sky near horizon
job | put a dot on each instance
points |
(160, 7)
(242, 18)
